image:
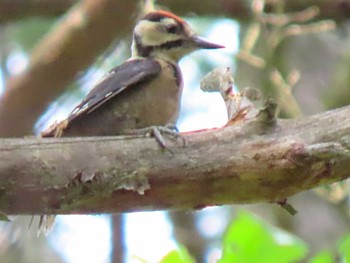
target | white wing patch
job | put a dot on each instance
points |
(82, 108)
(79, 110)
(108, 94)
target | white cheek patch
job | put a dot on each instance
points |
(154, 33)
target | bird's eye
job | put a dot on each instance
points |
(172, 29)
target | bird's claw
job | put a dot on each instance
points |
(157, 131)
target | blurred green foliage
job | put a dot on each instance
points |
(249, 239)
(322, 257)
(344, 249)
(180, 255)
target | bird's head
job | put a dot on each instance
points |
(163, 35)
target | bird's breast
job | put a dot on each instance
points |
(157, 102)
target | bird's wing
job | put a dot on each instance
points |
(115, 81)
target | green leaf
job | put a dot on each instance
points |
(322, 257)
(249, 239)
(344, 249)
(180, 255)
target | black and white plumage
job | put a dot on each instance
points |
(143, 91)
(119, 78)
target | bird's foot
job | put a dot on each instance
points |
(157, 132)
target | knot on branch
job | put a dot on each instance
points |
(241, 106)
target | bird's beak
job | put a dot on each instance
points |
(201, 43)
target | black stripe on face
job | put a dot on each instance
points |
(145, 51)
(171, 44)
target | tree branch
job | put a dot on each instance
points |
(240, 163)
(20, 9)
(240, 10)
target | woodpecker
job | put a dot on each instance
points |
(143, 91)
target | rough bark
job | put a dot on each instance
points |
(249, 162)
